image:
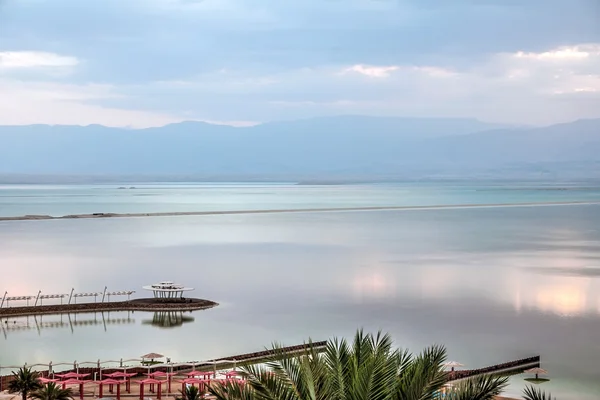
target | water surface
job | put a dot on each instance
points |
(492, 284)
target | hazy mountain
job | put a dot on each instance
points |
(334, 146)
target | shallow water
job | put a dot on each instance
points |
(58, 200)
(493, 284)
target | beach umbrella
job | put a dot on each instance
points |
(452, 365)
(151, 356)
(537, 372)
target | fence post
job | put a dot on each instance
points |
(37, 298)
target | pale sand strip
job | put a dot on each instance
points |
(293, 210)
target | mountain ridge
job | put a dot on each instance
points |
(337, 146)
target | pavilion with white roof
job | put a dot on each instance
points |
(168, 290)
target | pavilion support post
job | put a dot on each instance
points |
(119, 392)
(81, 391)
(100, 391)
(141, 391)
(158, 395)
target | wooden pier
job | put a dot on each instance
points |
(507, 368)
(128, 305)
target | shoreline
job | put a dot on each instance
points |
(148, 305)
(292, 210)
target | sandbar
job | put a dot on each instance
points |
(291, 210)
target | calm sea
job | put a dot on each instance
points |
(493, 284)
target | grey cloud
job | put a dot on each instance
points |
(137, 41)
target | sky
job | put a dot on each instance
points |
(139, 63)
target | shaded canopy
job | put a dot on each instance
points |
(537, 371)
(452, 364)
(120, 374)
(108, 382)
(152, 356)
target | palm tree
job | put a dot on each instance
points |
(24, 381)
(53, 392)
(190, 393)
(369, 368)
(482, 387)
(531, 393)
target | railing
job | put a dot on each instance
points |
(72, 296)
(96, 368)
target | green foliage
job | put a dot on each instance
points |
(190, 393)
(482, 387)
(25, 381)
(368, 368)
(52, 392)
(531, 393)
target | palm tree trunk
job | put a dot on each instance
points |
(24, 395)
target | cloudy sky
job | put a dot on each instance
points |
(151, 62)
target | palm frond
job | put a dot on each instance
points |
(24, 381)
(422, 376)
(482, 387)
(53, 392)
(531, 393)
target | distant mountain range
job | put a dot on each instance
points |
(349, 147)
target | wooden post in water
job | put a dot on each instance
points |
(37, 298)
(3, 298)
(104, 294)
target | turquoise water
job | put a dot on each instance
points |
(56, 200)
(493, 284)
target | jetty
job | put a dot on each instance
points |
(101, 215)
(168, 296)
(507, 368)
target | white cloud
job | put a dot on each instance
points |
(513, 87)
(24, 103)
(372, 71)
(564, 53)
(44, 102)
(34, 59)
(436, 72)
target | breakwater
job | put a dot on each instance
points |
(128, 305)
(511, 367)
(101, 215)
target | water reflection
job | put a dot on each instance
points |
(70, 321)
(491, 284)
(168, 319)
